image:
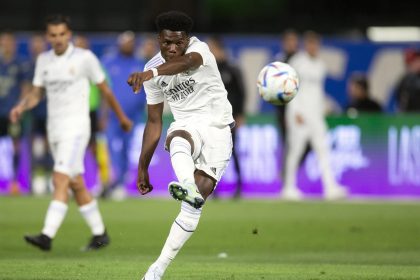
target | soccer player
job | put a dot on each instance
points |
(306, 122)
(199, 141)
(64, 72)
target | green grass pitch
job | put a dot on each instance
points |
(262, 240)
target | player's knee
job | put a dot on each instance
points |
(179, 134)
(60, 181)
(180, 145)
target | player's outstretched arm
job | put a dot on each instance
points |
(189, 61)
(27, 102)
(151, 136)
(107, 93)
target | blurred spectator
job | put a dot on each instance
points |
(119, 66)
(148, 48)
(358, 91)
(408, 89)
(41, 159)
(232, 79)
(14, 81)
(305, 121)
(96, 146)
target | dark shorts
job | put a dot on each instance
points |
(39, 126)
(94, 126)
(9, 129)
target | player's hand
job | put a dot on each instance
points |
(15, 114)
(126, 124)
(143, 184)
(137, 79)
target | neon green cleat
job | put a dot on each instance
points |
(186, 192)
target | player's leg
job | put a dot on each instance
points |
(182, 228)
(181, 147)
(88, 207)
(55, 215)
(57, 209)
(187, 220)
(332, 190)
(297, 135)
(236, 165)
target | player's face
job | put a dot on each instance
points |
(58, 35)
(173, 43)
(312, 46)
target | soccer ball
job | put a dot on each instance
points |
(278, 83)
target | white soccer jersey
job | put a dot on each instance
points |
(309, 102)
(66, 80)
(193, 96)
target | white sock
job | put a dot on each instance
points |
(55, 215)
(181, 159)
(93, 218)
(182, 228)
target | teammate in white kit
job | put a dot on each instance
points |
(64, 72)
(199, 140)
(306, 122)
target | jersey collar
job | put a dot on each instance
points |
(67, 53)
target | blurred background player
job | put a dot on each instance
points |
(97, 144)
(289, 47)
(64, 72)
(408, 89)
(232, 79)
(305, 121)
(358, 91)
(118, 67)
(41, 158)
(14, 81)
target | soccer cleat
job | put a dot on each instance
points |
(41, 241)
(186, 192)
(98, 242)
(335, 192)
(292, 194)
(153, 273)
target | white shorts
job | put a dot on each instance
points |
(69, 155)
(212, 147)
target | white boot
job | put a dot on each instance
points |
(291, 193)
(153, 273)
(335, 192)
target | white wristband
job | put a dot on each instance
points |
(155, 71)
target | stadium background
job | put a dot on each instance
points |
(247, 239)
(252, 35)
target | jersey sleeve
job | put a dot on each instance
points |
(154, 94)
(94, 69)
(38, 81)
(202, 49)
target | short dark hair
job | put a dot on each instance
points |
(311, 35)
(174, 21)
(58, 19)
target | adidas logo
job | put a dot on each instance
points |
(163, 84)
(213, 169)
